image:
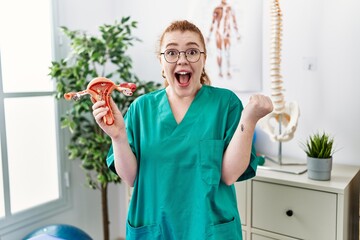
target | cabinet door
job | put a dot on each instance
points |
(240, 188)
(292, 211)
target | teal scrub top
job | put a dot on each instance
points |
(178, 192)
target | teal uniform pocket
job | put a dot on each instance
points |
(223, 231)
(147, 232)
(211, 154)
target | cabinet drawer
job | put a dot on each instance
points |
(255, 236)
(259, 237)
(292, 211)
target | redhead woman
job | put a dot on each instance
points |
(182, 147)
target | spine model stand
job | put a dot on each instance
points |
(100, 89)
(285, 114)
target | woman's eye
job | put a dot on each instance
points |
(171, 53)
(192, 52)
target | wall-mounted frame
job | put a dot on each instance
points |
(241, 64)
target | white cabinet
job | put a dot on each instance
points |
(294, 211)
(284, 206)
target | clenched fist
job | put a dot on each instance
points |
(258, 107)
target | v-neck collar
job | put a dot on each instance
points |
(167, 117)
(188, 111)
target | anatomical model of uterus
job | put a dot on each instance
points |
(100, 88)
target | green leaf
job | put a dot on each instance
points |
(125, 19)
(319, 146)
(90, 56)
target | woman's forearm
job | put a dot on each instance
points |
(237, 155)
(124, 159)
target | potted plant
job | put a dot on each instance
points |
(319, 150)
(90, 57)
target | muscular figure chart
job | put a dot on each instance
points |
(223, 21)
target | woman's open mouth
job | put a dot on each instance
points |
(183, 78)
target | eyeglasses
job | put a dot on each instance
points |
(173, 55)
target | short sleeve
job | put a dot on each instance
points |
(233, 117)
(110, 160)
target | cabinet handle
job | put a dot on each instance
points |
(289, 213)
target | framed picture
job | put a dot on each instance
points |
(233, 32)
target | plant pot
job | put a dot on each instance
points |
(319, 168)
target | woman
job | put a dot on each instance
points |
(183, 147)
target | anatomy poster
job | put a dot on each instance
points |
(233, 34)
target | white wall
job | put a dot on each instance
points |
(328, 97)
(325, 30)
(328, 30)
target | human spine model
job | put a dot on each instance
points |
(275, 58)
(286, 114)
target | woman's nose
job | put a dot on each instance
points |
(182, 58)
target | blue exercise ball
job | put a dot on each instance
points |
(61, 231)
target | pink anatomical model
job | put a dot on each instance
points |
(100, 89)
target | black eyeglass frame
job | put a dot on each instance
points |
(179, 52)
